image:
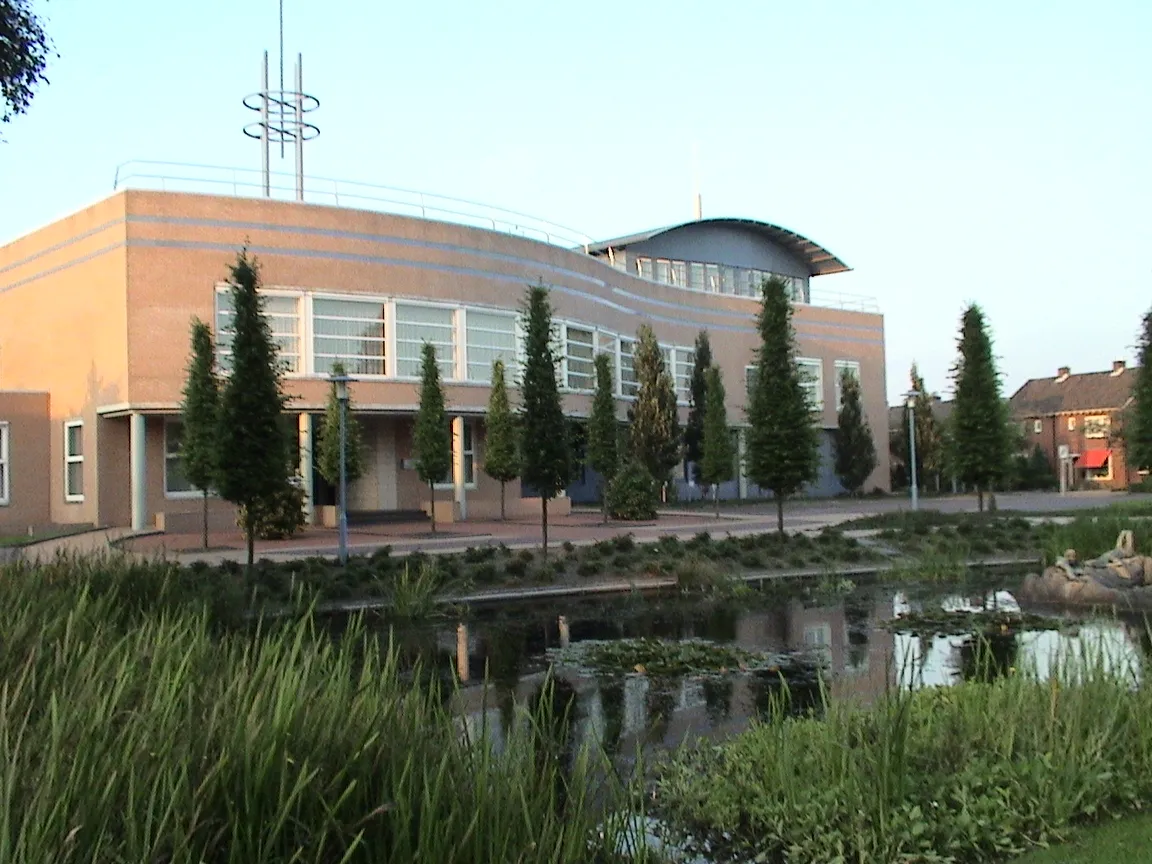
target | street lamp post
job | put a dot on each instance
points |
(341, 383)
(913, 485)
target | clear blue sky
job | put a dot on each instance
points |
(948, 151)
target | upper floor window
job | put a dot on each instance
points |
(5, 470)
(416, 325)
(1097, 426)
(348, 331)
(628, 383)
(685, 360)
(852, 367)
(282, 312)
(491, 336)
(1071, 424)
(1037, 426)
(580, 350)
(74, 461)
(812, 380)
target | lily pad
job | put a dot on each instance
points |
(992, 622)
(659, 658)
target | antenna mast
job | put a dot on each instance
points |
(288, 125)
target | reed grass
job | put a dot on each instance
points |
(148, 736)
(977, 772)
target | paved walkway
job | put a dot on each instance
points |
(581, 527)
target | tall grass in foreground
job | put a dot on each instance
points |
(162, 741)
(1094, 534)
(978, 772)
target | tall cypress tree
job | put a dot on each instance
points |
(855, 449)
(501, 462)
(1138, 431)
(431, 437)
(252, 447)
(929, 437)
(198, 450)
(603, 429)
(981, 445)
(694, 428)
(545, 453)
(783, 450)
(654, 426)
(328, 455)
(718, 456)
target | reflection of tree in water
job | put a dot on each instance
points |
(857, 616)
(776, 697)
(986, 657)
(718, 699)
(661, 705)
(612, 704)
(507, 648)
(553, 708)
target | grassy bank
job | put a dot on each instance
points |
(1123, 840)
(145, 736)
(978, 772)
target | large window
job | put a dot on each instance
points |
(283, 314)
(1097, 426)
(491, 336)
(580, 349)
(682, 372)
(852, 367)
(350, 332)
(628, 385)
(5, 470)
(812, 379)
(416, 325)
(176, 485)
(74, 460)
(469, 458)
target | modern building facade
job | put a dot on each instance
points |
(95, 312)
(1083, 413)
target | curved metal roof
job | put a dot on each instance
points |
(820, 261)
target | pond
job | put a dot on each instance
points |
(501, 656)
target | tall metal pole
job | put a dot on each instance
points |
(264, 136)
(343, 481)
(299, 127)
(912, 452)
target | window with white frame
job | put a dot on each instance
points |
(416, 325)
(1071, 424)
(811, 371)
(644, 267)
(685, 360)
(750, 373)
(1097, 426)
(74, 460)
(176, 484)
(852, 367)
(5, 470)
(469, 458)
(580, 352)
(491, 336)
(663, 271)
(283, 314)
(628, 384)
(1037, 426)
(348, 331)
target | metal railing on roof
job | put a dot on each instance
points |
(248, 183)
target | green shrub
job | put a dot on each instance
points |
(632, 494)
(517, 567)
(797, 560)
(589, 567)
(485, 573)
(624, 543)
(279, 517)
(568, 547)
(752, 560)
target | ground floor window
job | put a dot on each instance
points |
(175, 483)
(469, 458)
(74, 460)
(5, 471)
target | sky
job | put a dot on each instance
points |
(949, 151)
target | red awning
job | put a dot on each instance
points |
(1094, 458)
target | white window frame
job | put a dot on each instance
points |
(470, 436)
(176, 495)
(73, 459)
(854, 367)
(1072, 424)
(455, 330)
(1037, 427)
(511, 357)
(634, 384)
(386, 311)
(5, 464)
(816, 363)
(303, 352)
(567, 356)
(1098, 427)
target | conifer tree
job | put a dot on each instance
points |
(431, 437)
(328, 455)
(783, 450)
(545, 452)
(697, 407)
(855, 449)
(929, 436)
(252, 448)
(603, 429)
(501, 462)
(198, 449)
(981, 445)
(1138, 429)
(718, 456)
(654, 427)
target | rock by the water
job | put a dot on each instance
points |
(1118, 578)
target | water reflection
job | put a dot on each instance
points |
(499, 660)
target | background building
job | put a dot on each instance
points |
(95, 312)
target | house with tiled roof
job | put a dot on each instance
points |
(1082, 413)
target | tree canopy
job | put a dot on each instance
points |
(198, 450)
(717, 456)
(603, 428)
(24, 52)
(1138, 429)
(855, 449)
(694, 428)
(501, 461)
(431, 437)
(328, 455)
(653, 423)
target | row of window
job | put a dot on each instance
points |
(710, 278)
(812, 379)
(1095, 426)
(314, 332)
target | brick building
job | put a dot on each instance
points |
(1085, 413)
